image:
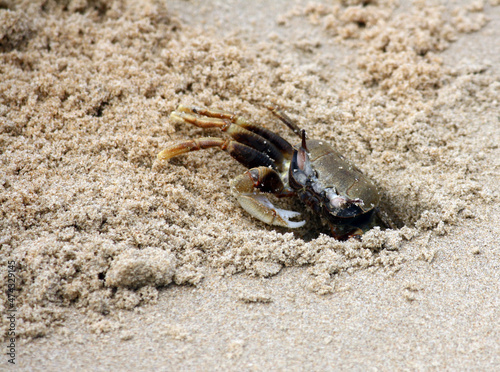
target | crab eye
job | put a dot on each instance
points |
(297, 178)
(300, 177)
(301, 158)
(303, 162)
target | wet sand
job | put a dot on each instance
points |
(126, 262)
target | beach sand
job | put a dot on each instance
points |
(124, 262)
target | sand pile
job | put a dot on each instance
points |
(94, 222)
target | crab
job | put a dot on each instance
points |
(331, 186)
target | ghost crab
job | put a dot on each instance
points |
(322, 178)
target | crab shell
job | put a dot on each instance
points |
(330, 185)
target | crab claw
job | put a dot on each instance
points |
(280, 217)
(249, 189)
(260, 207)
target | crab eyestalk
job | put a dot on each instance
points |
(304, 145)
(303, 161)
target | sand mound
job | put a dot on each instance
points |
(93, 221)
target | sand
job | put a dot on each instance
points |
(125, 262)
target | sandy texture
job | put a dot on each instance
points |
(125, 261)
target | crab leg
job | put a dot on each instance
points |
(237, 127)
(285, 119)
(245, 188)
(246, 155)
